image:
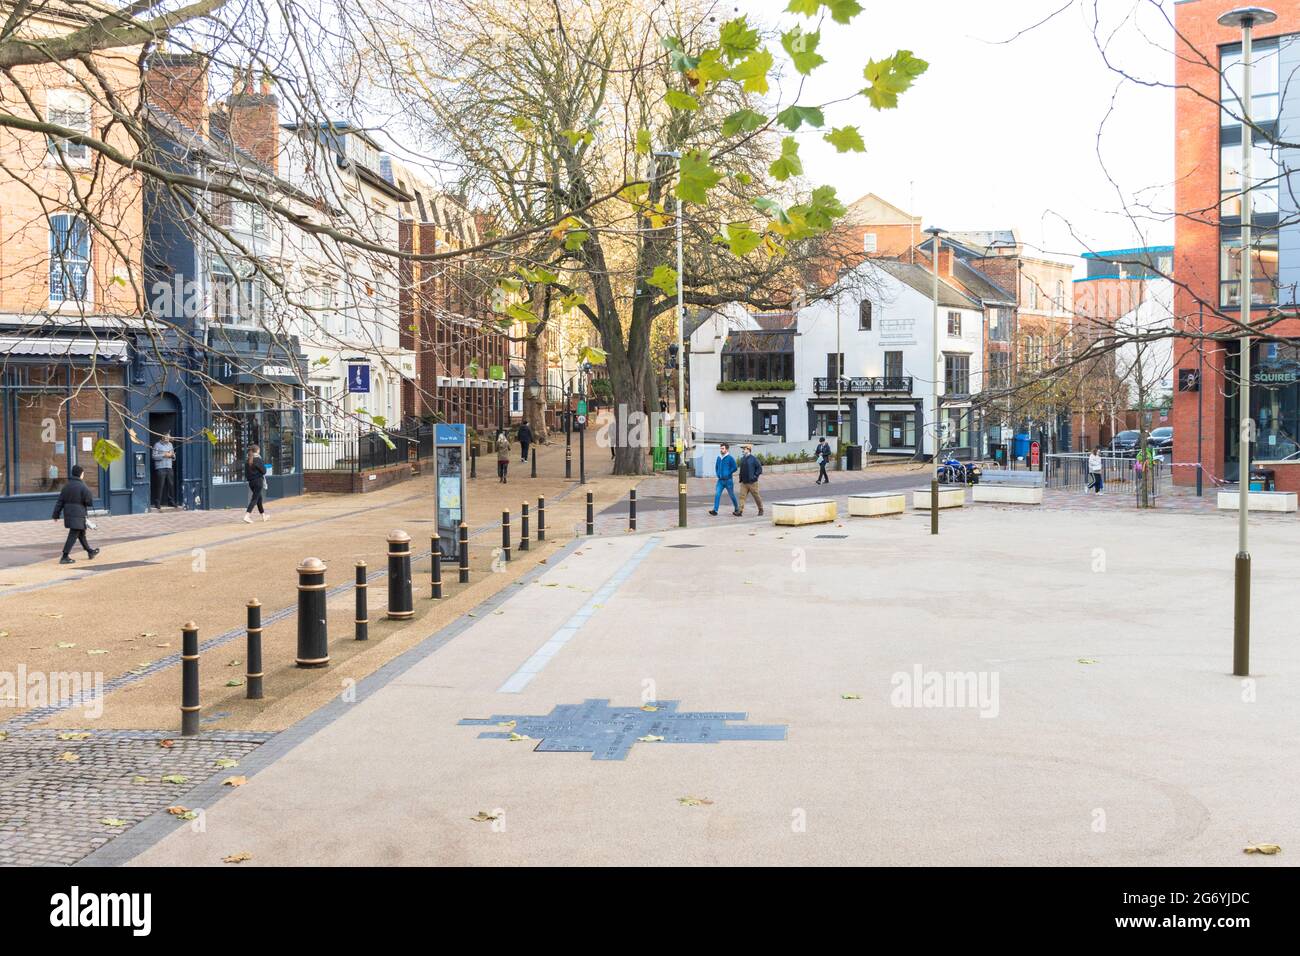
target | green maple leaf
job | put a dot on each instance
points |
(574, 238)
(846, 139)
(677, 54)
(711, 67)
(643, 142)
(107, 452)
(521, 313)
(678, 100)
(792, 117)
(842, 11)
(807, 8)
(664, 278)
(890, 77)
(737, 39)
(788, 164)
(802, 49)
(741, 239)
(751, 72)
(745, 120)
(695, 177)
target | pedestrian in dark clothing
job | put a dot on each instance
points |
(164, 466)
(503, 456)
(724, 468)
(255, 475)
(823, 456)
(525, 436)
(74, 504)
(750, 470)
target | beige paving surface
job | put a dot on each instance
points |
(1151, 754)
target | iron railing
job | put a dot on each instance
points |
(1068, 471)
(866, 384)
(357, 451)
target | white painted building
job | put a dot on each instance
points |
(776, 375)
(1150, 362)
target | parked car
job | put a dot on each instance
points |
(1126, 442)
(1162, 439)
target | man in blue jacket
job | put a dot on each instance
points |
(725, 468)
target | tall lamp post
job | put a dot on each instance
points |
(683, 436)
(934, 233)
(1247, 18)
(535, 389)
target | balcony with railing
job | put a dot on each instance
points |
(866, 385)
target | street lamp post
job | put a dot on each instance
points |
(934, 232)
(683, 436)
(536, 388)
(1247, 18)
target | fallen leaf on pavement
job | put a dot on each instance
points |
(649, 739)
(236, 682)
(483, 817)
(139, 779)
(70, 735)
(850, 696)
(167, 744)
(69, 757)
(649, 708)
(515, 736)
(175, 778)
(235, 663)
(695, 801)
(239, 857)
(506, 724)
(95, 652)
(1088, 660)
(178, 810)
(64, 645)
(4, 735)
(147, 634)
(113, 822)
(1268, 849)
(234, 781)
(225, 763)
(53, 614)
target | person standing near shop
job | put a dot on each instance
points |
(724, 468)
(750, 470)
(255, 475)
(525, 436)
(164, 460)
(74, 504)
(1094, 471)
(503, 456)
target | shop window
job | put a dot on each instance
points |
(896, 430)
(40, 442)
(956, 374)
(69, 258)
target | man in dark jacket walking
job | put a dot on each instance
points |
(525, 436)
(74, 504)
(750, 469)
(823, 456)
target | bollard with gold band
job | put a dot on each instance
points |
(363, 603)
(631, 510)
(505, 536)
(435, 559)
(189, 679)
(534, 463)
(523, 526)
(253, 659)
(591, 515)
(401, 606)
(541, 519)
(313, 635)
(464, 553)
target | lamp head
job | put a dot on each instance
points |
(1248, 17)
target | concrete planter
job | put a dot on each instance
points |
(803, 511)
(1279, 501)
(880, 503)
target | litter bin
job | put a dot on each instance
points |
(853, 457)
(1262, 479)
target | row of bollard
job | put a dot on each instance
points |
(313, 635)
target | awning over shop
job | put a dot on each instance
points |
(40, 346)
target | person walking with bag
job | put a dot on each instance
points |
(503, 456)
(255, 475)
(823, 456)
(750, 470)
(74, 504)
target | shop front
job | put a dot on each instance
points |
(1275, 409)
(59, 397)
(256, 400)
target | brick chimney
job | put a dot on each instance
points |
(254, 113)
(177, 84)
(945, 261)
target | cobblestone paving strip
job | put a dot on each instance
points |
(52, 809)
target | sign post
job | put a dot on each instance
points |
(449, 480)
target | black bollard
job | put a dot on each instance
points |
(464, 553)
(541, 519)
(435, 570)
(591, 515)
(934, 506)
(313, 635)
(189, 679)
(631, 510)
(401, 605)
(534, 462)
(523, 526)
(253, 658)
(473, 462)
(505, 535)
(363, 609)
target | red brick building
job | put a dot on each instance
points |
(1207, 241)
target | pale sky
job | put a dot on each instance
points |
(1005, 134)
